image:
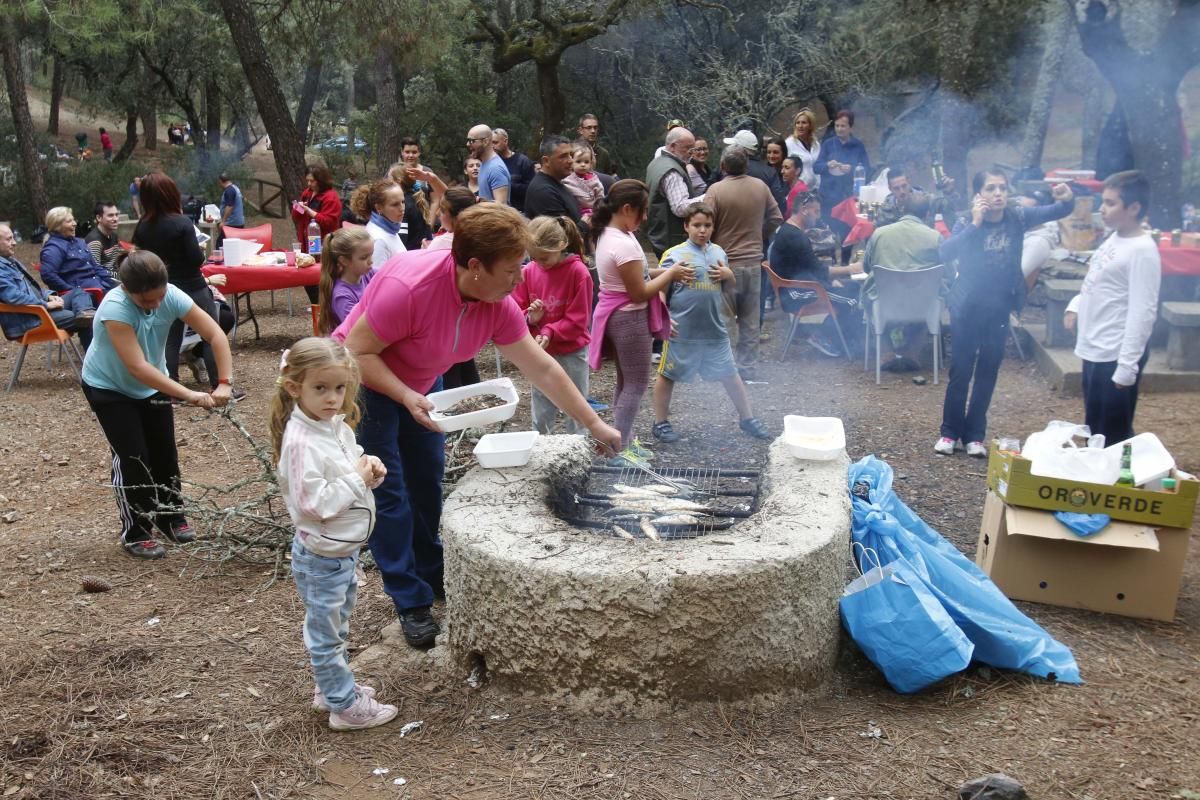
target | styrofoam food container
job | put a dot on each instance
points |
(814, 438)
(1149, 461)
(505, 449)
(501, 387)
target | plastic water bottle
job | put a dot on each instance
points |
(314, 238)
(860, 177)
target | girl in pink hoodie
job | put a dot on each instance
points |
(556, 296)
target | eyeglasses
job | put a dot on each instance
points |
(478, 139)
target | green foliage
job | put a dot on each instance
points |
(75, 184)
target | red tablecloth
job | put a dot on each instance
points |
(1091, 184)
(1179, 260)
(861, 227)
(258, 279)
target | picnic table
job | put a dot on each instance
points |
(861, 226)
(241, 281)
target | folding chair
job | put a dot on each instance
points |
(261, 234)
(905, 296)
(47, 332)
(821, 306)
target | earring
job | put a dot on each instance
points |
(476, 277)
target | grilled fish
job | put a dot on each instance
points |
(648, 529)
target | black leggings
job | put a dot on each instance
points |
(145, 464)
(204, 299)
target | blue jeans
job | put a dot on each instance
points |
(329, 590)
(408, 504)
(977, 338)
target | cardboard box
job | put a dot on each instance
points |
(1009, 477)
(1127, 569)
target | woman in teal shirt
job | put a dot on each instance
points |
(125, 381)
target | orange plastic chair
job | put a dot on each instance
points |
(821, 306)
(316, 314)
(259, 233)
(48, 332)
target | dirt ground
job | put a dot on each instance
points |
(187, 681)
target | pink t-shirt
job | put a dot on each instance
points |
(617, 247)
(413, 304)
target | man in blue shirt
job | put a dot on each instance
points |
(494, 180)
(233, 211)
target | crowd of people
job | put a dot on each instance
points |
(544, 260)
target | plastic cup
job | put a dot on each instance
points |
(290, 257)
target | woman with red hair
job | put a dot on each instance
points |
(319, 201)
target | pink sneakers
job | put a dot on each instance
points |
(319, 703)
(364, 712)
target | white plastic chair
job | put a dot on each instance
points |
(905, 296)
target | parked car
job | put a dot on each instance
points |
(341, 145)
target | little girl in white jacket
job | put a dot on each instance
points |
(326, 483)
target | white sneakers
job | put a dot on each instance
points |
(319, 703)
(946, 446)
(364, 712)
(977, 449)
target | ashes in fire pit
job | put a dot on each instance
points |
(478, 402)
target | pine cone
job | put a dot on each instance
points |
(94, 583)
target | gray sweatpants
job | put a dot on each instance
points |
(545, 413)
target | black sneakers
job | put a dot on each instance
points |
(146, 549)
(182, 533)
(420, 628)
(664, 432)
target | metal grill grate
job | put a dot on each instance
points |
(725, 495)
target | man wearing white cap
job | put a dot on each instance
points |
(758, 168)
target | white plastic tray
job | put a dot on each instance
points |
(814, 438)
(505, 449)
(501, 387)
(1150, 459)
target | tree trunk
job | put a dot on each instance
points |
(212, 113)
(956, 44)
(131, 137)
(387, 113)
(308, 96)
(14, 80)
(554, 107)
(1146, 82)
(1054, 36)
(286, 144)
(1091, 122)
(57, 83)
(348, 108)
(148, 110)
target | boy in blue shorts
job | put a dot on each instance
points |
(699, 342)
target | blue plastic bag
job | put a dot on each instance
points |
(903, 629)
(1002, 635)
(1083, 524)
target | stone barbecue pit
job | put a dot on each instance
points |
(741, 605)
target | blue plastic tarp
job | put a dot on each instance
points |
(1002, 635)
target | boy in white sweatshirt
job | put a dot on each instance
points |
(1116, 308)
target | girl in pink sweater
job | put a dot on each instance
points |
(556, 296)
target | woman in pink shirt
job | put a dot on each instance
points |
(423, 311)
(629, 311)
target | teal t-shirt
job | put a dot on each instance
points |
(103, 368)
(696, 306)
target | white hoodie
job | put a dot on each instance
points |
(330, 505)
